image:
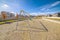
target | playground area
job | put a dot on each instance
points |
(35, 29)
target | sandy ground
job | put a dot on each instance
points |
(30, 30)
(53, 30)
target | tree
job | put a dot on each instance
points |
(17, 16)
(4, 16)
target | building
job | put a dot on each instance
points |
(8, 15)
(56, 15)
(0, 17)
(49, 15)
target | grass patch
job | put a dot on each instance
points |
(54, 19)
(21, 19)
(2, 23)
(10, 20)
(7, 21)
(38, 17)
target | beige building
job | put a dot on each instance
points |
(56, 15)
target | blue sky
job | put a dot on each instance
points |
(34, 7)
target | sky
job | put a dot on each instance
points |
(34, 7)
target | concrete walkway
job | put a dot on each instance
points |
(51, 20)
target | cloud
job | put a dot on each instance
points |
(37, 13)
(12, 12)
(33, 14)
(4, 6)
(41, 13)
(46, 9)
(48, 6)
(55, 3)
(43, 8)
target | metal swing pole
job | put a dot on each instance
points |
(17, 21)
